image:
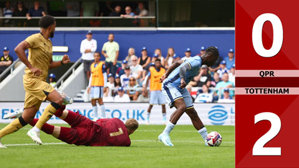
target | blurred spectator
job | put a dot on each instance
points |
(107, 8)
(136, 69)
(111, 51)
(129, 12)
(124, 79)
(141, 11)
(143, 97)
(187, 54)
(154, 58)
(52, 79)
(226, 98)
(90, 8)
(116, 12)
(121, 96)
(8, 12)
(189, 88)
(225, 83)
(117, 84)
(88, 48)
(216, 79)
(231, 74)
(205, 96)
(73, 8)
(222, 69)
(202, 51)
(121, 70)
(144, 60)
(216, 65)
(133, 94)
(169, 57)
(131, 52)
(36, 11)
(108, 95)
(159, 53)
(204, 78)
(20, 10)
(230, 60)
(176, 58)
(6, 60)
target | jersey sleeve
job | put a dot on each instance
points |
(192, 63)
(31, 40)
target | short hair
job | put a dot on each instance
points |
(158, 60)
(46, 21)
(131, 124)
(134, 56)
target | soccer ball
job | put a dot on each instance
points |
(213, 139)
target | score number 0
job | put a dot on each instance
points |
(258, 148)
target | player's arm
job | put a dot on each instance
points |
(65, 60)
(116, 57)
(183, 69)
(171, 68)
(20, 51)
(89, 83)
(146, 81)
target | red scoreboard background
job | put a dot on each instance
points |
(267, 39)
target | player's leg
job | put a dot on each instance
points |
(149, 109)
(94, 94)
(18, 123)
(101, 103)
(164, 113)
(197, 123)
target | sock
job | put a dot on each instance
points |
(203, 132)
(14, 126)
(164, 117)
(148, 116)
(59, 112)
(103, 110)
(95, 111)
(168, 128)
(47, 128)
(47, 114)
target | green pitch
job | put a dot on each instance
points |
(145, 151)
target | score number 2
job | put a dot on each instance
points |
(258, 148)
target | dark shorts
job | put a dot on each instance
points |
(82, 130)
(87, 64)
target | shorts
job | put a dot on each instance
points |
(87, 64)
(36, 91)
(157, 97)
(82, 130)
(96, 92)
(172, 94)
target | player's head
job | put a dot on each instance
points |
(210, 56)
(158, 63)
(131, 125)
(111, 37)
(48, 23)
(97, 56)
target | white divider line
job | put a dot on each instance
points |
(179, 131)
(62, 143)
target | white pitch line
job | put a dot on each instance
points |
(62, 143)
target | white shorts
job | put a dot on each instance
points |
(172, 93)
(96, 92)
(157, 97)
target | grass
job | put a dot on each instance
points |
(145, 151)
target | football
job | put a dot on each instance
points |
(213, 139)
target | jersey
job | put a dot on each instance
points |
(110, 132)
(155, 76)
(40, 55)
(97, 71)
(194, 64)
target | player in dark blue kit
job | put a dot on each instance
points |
(174, 81)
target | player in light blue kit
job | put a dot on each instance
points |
(174, 81)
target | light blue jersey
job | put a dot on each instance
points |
(174, 76)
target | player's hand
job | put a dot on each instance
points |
(88, 90)
(36, 71)
(163, 78)
(65, 59)
(183, 83)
